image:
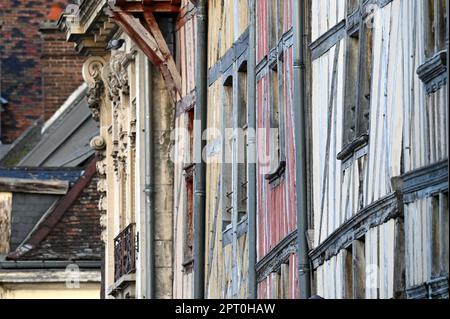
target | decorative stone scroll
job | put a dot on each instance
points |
(115, 76)
(98, 144)
(92, 75)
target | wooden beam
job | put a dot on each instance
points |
(33, 186)
(169, 67)
(134, 7)
(151, 41)
(140, 35)
(5, 221)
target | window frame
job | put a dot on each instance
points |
(356, 119)
(276, 72)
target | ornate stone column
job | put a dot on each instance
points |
(92, 75)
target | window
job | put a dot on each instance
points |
(276, 93)
(352, 6)
(226, 167)
(355, 270)
(348, 273)
(189, 218)
(280, 283)
(433, 71)
(234, 179)
(273, 23)
(277, 129)
(274, 119)
(435, 26)
(189, 204)
(241, 144)
(439, 233)
(358, 79)
(284, 281)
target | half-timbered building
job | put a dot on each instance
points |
(379, 144)
(269, 148)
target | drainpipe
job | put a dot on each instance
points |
(251, 165)
(149, 188)
(201, 73)
(300, 145)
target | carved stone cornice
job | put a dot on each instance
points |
(87, 25)
(433, 73)
(92, 70)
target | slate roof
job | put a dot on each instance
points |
(70, 229)
(66, 136)
(28, 209)
(63, 227)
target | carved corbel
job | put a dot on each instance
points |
(115, 74)
(92, 75)
(98, 144)
(133, 121)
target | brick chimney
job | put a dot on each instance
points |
(61, 69)
(26, 62)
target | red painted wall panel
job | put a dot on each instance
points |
(276, 205)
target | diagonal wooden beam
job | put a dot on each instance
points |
(169, 64)
(151, 41)
(140, 35)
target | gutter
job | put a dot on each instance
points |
(300, 147)
(149, 186)
(251, 150)
(201, 73)
(48, 264)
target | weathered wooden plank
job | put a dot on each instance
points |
(168, 62)
(34, 186)
(5, 221)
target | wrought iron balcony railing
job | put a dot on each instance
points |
(125, 252)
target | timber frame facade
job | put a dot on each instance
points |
(379, 149)
(225, 225)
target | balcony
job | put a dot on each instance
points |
(125, 253)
